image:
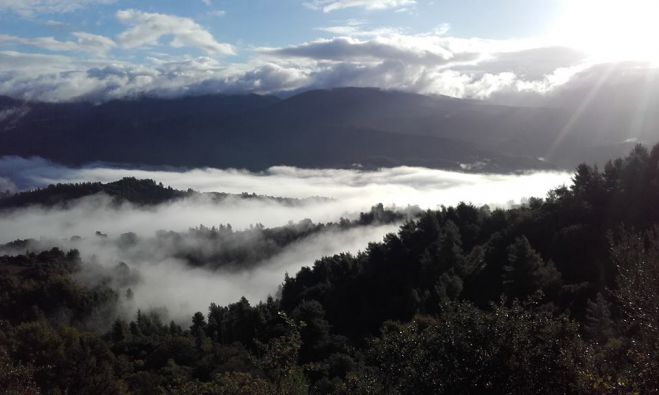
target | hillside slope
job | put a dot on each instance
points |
(326, 128)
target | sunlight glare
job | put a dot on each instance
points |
(612, 30)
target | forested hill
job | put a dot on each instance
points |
(125, 190)
(129, 189)
(558, 296)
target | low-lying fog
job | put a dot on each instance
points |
(166, 281)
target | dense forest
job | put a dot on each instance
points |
(559, 296)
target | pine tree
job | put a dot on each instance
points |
(526, 272)
(599, 324)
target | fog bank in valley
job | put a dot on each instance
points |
(357, 189)
(159, 280)
(162, 279)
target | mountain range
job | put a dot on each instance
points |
(338, 128)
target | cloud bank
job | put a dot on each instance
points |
(162, 54)
(136, 62)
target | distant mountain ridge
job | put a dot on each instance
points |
(342, 127)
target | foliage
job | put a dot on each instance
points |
(467, 350)
(559, 295)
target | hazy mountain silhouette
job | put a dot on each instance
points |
(322, 128)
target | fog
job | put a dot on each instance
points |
(162, 284)
(161, 279)
(357, 189)
(99, 214)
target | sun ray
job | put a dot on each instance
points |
(576, 115)
(638, 122)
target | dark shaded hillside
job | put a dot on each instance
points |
(564, 135)
(333, 128)
(134, 131)
(143, 192)
(129, 189)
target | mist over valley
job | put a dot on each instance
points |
(192, 237)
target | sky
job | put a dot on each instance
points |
(65, 50)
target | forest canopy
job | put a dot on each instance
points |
(558, 295)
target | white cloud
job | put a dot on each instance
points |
(49, 43)
(85, 42)
(32, 7)
(57, 25)
(147, 29)
(88, 40)
(340, 30)
(335, 5)
(207, 2)
(379, 49)
(431, 63)
(217, 13)
(15, 64)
